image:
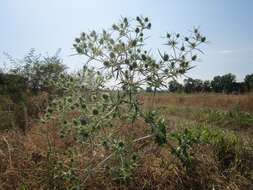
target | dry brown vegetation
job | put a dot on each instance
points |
(222, 101)
(25, 162)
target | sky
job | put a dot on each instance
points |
(48, 25)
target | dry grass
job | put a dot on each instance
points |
(24, 157)
(222, 101)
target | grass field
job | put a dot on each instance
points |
(232, 112)
(220, 129)
(222, 101)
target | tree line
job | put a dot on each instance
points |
(219, 84)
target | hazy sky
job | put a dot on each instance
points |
(47, 25)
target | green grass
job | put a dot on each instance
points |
(231, 150)
(235, 118)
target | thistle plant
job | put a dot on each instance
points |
(118, 57)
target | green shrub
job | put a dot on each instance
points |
(230, 150)
(14, 86)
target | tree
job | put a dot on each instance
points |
(207, 86)
(149, 89)
(198, 85)
(224, 83)
(38, 71)
(228, 81)
(248, 80)
(189, 85)
(175, 86)
(238, 87)
(192, 85)
(216, 84)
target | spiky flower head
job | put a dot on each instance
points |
(105, 96)
(95, 111)
(83, 121)
(194, 57)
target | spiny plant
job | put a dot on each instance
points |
(118, 57)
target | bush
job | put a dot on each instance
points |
(26, 85)
(37, 71)
(14, 86)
